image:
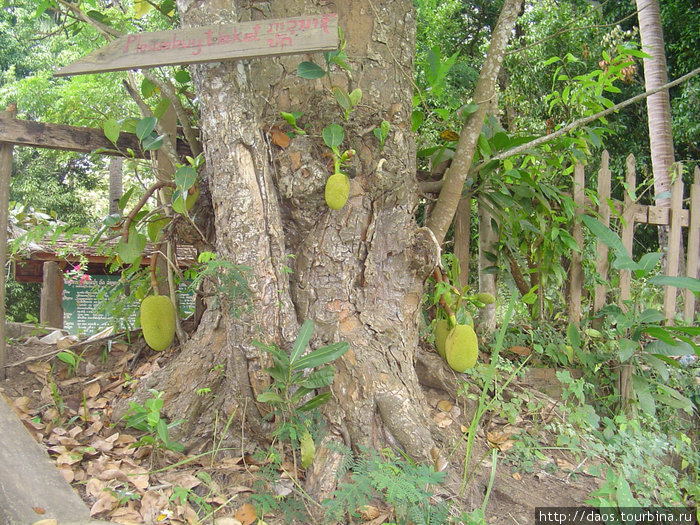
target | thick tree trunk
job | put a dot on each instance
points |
(358, 272)
(658, 104)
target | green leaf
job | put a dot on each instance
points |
(182, 76)
(355, 96)
(609, 238)
(152, 142)
(573, 335)
(185, 177)
(155, 228)
(691, 283)
(162, 107)
(550, 61)
(308, 449)
(145, 127)
(270, 397)
(310, 71)
(320, 378)
(131, 250)
(124, 199)
(162, 428)
(342, 98)
(111, 130)
(627, 349)
(302, 340)
(417, 118)
(321, 356)
(315, 402)
(624, 494)
(290, 118)
(333, 135)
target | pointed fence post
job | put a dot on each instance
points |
(674, 243)
(576, 270)
(601, 265)
(629, 211)
(693, 248)
(5, 174)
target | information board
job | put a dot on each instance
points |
(82, 305)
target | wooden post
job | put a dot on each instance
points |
(628, 215)
(576, 270)
(487, 280)
(115, 183)
(51, 303)
(691, 266)
(463, 237)
(674, 244)
(5, 174)
(601, 265)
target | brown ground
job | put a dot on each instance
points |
(69, 412)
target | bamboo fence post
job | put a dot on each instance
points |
(693, 245)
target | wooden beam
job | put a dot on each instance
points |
(284, 36)
(72, 138)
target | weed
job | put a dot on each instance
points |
(147, 418)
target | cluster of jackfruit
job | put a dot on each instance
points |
(158, 321)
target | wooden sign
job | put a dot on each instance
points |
(285, 36)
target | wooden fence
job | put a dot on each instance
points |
(675, 217)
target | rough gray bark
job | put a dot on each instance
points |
(358, 272)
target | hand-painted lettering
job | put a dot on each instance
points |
(252, 37)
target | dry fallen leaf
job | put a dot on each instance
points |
(565, 465)
(106, 503)
(246, 514)
(444, 405)
(443, 419)
(517, 476)
(521, 350)
(279, 137)
(39, 510)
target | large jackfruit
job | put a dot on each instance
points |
(337, 190)
(158, 321)
(461, 348)
(442, 328)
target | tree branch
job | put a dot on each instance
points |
(451, 192)
(435, 186)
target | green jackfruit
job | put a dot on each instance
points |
(486, 298)
(461, 348)
(158, 321)
(442, 328)
(337, 190)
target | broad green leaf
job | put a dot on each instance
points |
(131, 250)
(315, 402)
(289, 117)
(650, 315)
(342, 98)
(691, 283)
(310, 70)
(299, 393)
(573, 335)
(648, 262)
(111, 130)
(147, 88)
(609, 238)
(355, 96)
(270, 397)
(321, 356)
(320, 378)
(624, 494)
(627, 349)
(161, 107)
(674, 398)
(308, 449)
(155, 228)
(333, 135)
(162, 428)
(302, 340)
(417, 118)
(185, 177)
(182, 76)
(152, 142)
(145, 127)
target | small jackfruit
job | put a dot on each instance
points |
(486, 298)
(158, 321)
(337, 190)
(461, 348)
(442, 328)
